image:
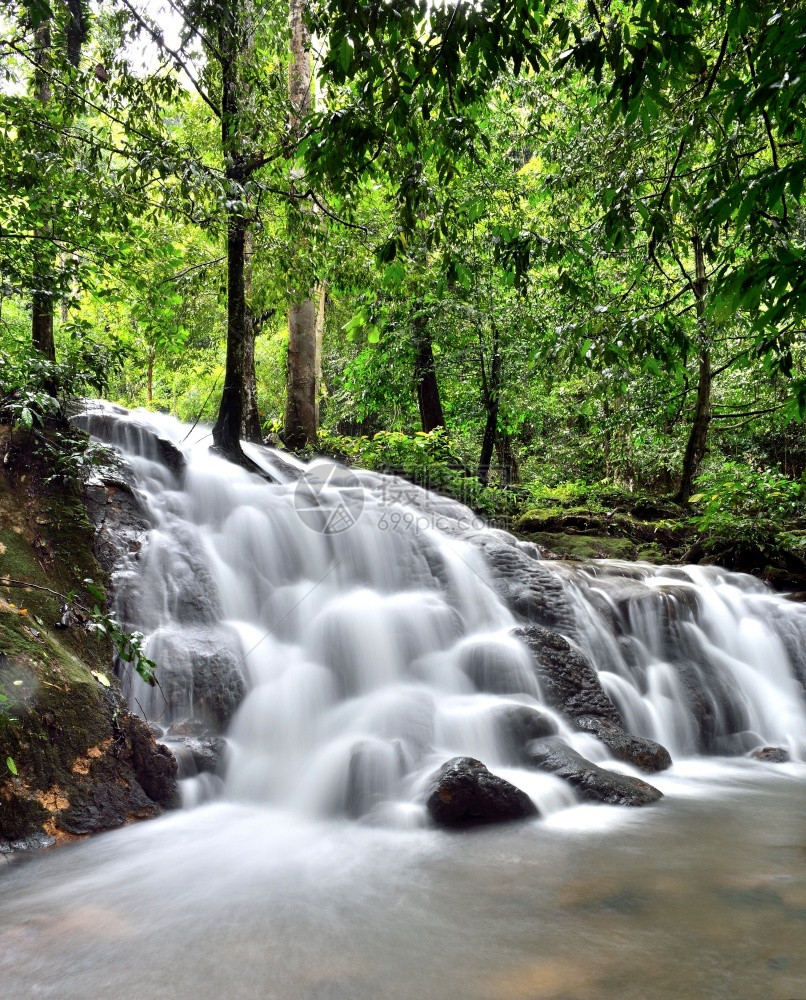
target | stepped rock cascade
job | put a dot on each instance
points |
(327, 639)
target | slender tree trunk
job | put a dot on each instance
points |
(227, 428)
(150, 378)
(300, 412)
(507, 459)
(300, 425)
(320, 336)
(425, 378)
(606, 449)
(698, 437)
(250, 420)
(42, 296)
(491, 390)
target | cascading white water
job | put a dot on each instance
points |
(349, 634)
(673, 642)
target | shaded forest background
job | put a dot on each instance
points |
(547, 257)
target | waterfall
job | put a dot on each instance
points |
(330, 637)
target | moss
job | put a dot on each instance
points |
(632, 529)
(574, 546)
(68, 735)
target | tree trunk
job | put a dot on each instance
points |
(507, 459)
(42, 296)
(227, 428)
(250, 419)
(320, 336)
(300, 413)
(697, 440)
(150, 379)
(300, 425)
(491, 391)
(425, 378)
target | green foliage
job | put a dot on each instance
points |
(745, 507)
(129, 646)
(5, 719)
(32, 391)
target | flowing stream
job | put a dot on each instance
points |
(331, 638)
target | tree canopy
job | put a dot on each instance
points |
(565, 240)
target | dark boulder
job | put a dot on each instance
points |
(529, 588)
(464, 793)
(153, 763)
(519, 725)
(592, 783)
(568, 680)
(771, 755)
(645, 754)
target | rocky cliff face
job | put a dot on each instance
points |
(73, 761)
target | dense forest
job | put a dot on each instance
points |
(547, 257)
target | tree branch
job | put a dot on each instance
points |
(156, 36)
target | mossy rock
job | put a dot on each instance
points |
(82, 762)
(579, 547)
(636, 529)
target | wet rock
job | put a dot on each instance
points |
(374, 769)
(185, 727)
(592, 783)
(104, 806)
(525, 584)
(568, 680)
(700, 704)
(36, 842)
(196, 755)
(519, 725)
(771, 755)
(153, 763)
(645, 754)
(464, 793)
(121, 521)
(672, 602)
(84, 763)
(200, 673)
(497, 666)
(116, 428)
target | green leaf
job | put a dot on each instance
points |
(40, 11)
(11, 765)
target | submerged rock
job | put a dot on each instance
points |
(464, 793)
(645, 754)
(771, 755)
(568, 680)
(519, 725)
(593, 783)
